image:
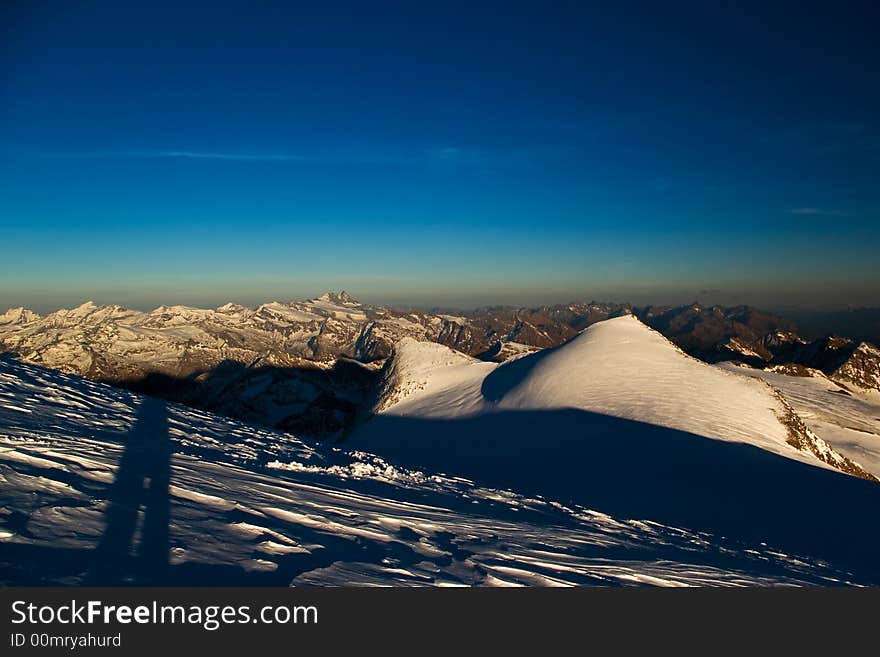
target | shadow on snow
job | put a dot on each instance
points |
(631, 469)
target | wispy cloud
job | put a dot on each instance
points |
(819, 212)
(203, 155)
(227, 156)
(447, 158)
(177, 155)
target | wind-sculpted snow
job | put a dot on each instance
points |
(618, 367)
(620, 420)
(309, 367)
(848, 420)
(99, 485)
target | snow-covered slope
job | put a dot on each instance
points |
(115, 343)
(619, 368)
(290, 365)
(284, 365)
(231, 504)
(620, 420)
(849, 420)
(430, 379)
(861, 370)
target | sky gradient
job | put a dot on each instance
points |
(454, 154)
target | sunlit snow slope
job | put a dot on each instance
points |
(618, 367)
(619, 419)
(98, 485)
(849, 420)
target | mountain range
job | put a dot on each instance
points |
(312, 366)
(613, 458)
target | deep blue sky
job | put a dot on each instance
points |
(455, 155)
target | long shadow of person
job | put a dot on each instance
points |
(142, 481)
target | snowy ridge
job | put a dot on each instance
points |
(621, 421)
(848, 421)
(414, 364)
(288, 365)
(247, 506)
(619, 368)
(737, 345)
(861, 369)
(115, 343)
(18, 316)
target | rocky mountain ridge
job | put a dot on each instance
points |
(310, 365)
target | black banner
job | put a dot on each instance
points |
(226, 620)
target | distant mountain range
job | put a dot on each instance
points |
(861, 324)
(746, 335)
(312, 366)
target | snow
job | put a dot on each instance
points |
(865, 377)
(233, 309)
(287, 312)
(318, 514)
(341, 299)
(621, 421)
(618, 367)
(114, 343)
(737, 345)
(848, 421)
(18, 315)
(338, 310)
(458, 319)
(515, 349)
(447, 380)
(109, 341)
(84, 308)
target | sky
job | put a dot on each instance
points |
(439, 154)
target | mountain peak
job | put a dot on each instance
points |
(85, 307)
(18, 315)
(232, 308)
(342, 297)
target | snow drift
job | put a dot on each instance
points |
(230, 504)
(619, 368)
(621, 420)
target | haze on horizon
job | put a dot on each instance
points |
(451, 156)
